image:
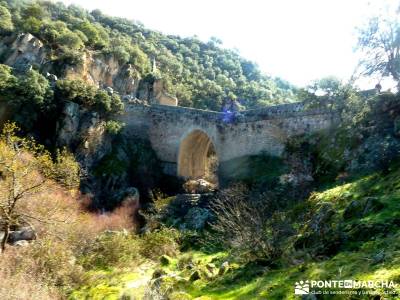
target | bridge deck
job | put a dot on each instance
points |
(281, 111)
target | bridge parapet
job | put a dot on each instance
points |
(179, 134)
(282, 111)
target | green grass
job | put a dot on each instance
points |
(356, 259)
(358, 263)
(113, 283)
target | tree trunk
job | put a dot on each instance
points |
(5, 238)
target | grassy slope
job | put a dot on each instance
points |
(357, 259)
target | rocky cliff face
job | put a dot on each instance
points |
(105, 72)
(84, 132)
(109, 167)
(24, 51)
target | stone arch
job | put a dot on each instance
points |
(194, 154)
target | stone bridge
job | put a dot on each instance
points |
(183, 137)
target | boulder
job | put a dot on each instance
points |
(224, 268)
(165, 260)
(199, 186)
(158, 274)
(196, 218)
(365, 232)
(211, 269)
(321, 235)
(21, 244)
(182, 203)
(194, 276)
(109, 90)
(163, 286)
(159, 96)
(379, 257)
(22, 51)
(354, 209)
(24, 234)
(362, 208)
(322, 217)
(295, 179)
(130, 194)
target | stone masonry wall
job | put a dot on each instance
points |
(233, 135)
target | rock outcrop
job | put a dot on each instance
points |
(159, 96)
(84, 132)
(199, 186)
(23, 51)
(105, 71)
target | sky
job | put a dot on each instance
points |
(299, 41)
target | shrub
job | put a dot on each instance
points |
(89, 96)
(17, 283)
(114, 127)
(160, 242)
(7, 80)
(247, 227)
(31, 96)
(54, 263)
(117, 106)
(76, 91)
(32, 25)
(96, 36)
(70, 40)
(70, 57)
(6, 24)
(66, 169)
(112, 249)
(102, 101)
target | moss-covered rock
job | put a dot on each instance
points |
(195, 276)
(165, 260)
(362, 208)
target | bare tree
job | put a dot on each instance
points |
(379, 42)
(247, 226)
(23, 165)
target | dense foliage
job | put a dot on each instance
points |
(32, 98)
(202, 75)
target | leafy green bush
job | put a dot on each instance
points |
(7, 80)
(66, 169)
(32, 25)
(6, 23)
(160, 242)
(112, 249)
(97, 37)
(114, 127)
(89, 96)
(28, 95)
(70, 40)
(76, 91)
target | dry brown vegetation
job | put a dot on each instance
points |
(70, 240)
(48, 266)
